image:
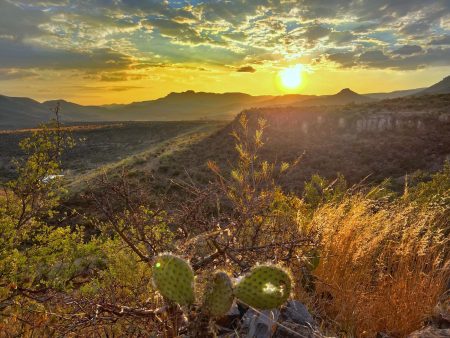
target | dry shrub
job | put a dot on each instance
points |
(382, 269)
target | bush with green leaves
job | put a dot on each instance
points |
(35, 256)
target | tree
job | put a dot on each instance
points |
(36, 257)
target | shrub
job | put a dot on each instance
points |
(382, 267)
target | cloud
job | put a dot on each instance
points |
(408, 50)
(444, 40)
(342, 37)
(246, 69)
(17, 23)
(15, 54)
(315, 32)
(382, 60)
(13, 74)
(114, 36)
(344, 59)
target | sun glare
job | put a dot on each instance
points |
(291, 78)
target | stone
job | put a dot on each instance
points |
(296, 321)
(259, 324)
(297, 313)
(430, 332)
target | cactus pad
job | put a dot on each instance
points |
(173, 278)
(218, 295)
(265, 287)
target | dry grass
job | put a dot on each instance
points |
(382, 269)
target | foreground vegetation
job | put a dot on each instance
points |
(364, 259)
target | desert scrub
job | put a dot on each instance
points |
(382, 269)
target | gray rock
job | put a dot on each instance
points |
(292, 321)
(259, 324)
(430, 332)
(297, 313)
(296, 321)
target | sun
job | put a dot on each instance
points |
(291, 78)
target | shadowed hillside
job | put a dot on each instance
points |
(441, 87)
(367, 141)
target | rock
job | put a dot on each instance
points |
(296, 321)
(292, 321)
(297, 313)
(259, 325)
(430, 332)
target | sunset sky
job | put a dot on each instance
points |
(118, 51)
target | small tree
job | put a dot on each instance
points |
(36, 257)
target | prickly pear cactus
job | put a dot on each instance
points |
(174, 279)
(218, 296)
(265, 287)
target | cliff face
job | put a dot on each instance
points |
(379, 122)
(415, 113)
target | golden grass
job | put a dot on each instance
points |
(382, 268)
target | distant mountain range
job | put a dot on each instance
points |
(19, 112)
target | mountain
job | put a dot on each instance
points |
(442, 87)
(394, 94)
(189, 105)
(75, 112)
(19, 112)
(345, 96)
(287, 100)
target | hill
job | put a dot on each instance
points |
(394, 94)
(21, 111)
(442, 87)
(188, 105)
(370, 141)
(345, 96)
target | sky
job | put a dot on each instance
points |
(120, 51)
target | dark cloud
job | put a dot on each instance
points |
(246, 69)
(345, 59)
(445, 40)
(380, 59)
(17, 23)
(315, 32)
(14, 54)
(182, 32)
(408, 50)
(416, 27)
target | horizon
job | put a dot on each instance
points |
(206, 92)
(118, 52)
